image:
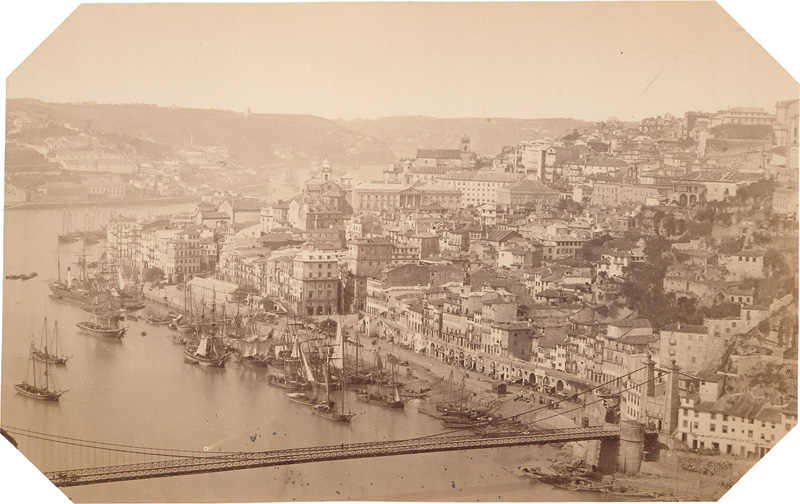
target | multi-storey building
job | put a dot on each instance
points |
(377, 197)
(526, 192)
(741, 424)
(314, 285)
(478, 188)
(182, 255)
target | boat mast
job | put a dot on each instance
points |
(327, 383)
(44, 340)
(59, 349)
(33, 363)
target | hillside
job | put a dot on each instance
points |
(404, 135)
(253, 140)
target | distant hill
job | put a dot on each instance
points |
(406, 134)
(253, 140)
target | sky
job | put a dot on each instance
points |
(344, 61)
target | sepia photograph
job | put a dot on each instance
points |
(395, 251)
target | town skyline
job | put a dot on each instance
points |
(320, 226)
(291, 59)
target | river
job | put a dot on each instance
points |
(138, 391)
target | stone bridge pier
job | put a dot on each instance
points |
(623, 454)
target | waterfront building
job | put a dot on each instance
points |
(740, 424)
(314, 284)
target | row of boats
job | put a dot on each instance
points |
(320, 378)
(91, 231)
(27, 276)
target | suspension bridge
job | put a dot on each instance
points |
(143, 463)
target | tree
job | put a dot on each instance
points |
(657, 217)
(153, 275)
(591, 249)
(775, 261)
(722, 310)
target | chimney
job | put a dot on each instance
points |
(69, 277)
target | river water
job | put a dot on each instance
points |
(138, 391)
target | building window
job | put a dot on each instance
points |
(750, 434)
(712, 427)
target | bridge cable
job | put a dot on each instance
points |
(461, 429)
(548, 406)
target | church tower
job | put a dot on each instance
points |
(464, 143)
(326, 171)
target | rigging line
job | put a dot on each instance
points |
(576, 395)
(462, 429)
(599, 400)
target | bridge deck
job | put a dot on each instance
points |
(248, 460)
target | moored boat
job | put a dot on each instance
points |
(103, 322)
(44, 354)
(158, 319)
(287, 382)
(208, 353)
(36, 390)
(301, 398)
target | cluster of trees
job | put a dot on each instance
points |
(153, 275)
(743, 131)
(570, 206)
(756, 192)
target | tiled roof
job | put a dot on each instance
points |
(530, 185)
(480, 176)
(439, 153)
(686, 328)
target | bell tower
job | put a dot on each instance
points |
(326, 171)
(464, 144)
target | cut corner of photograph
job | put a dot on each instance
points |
(396, 251)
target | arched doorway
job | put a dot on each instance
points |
(532, 378)
(692, 199)
(683, 200)
(559, 386)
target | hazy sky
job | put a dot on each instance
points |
(587, 61)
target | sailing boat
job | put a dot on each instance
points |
(327, 409)
(67, 235)
(380, 396)
(290, 379)
(302, 397)
(104, 322)
(44, 354)
(36, 390)
(209, 352)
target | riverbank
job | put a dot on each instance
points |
(425, 372)
(104, 202)
(676, 476)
